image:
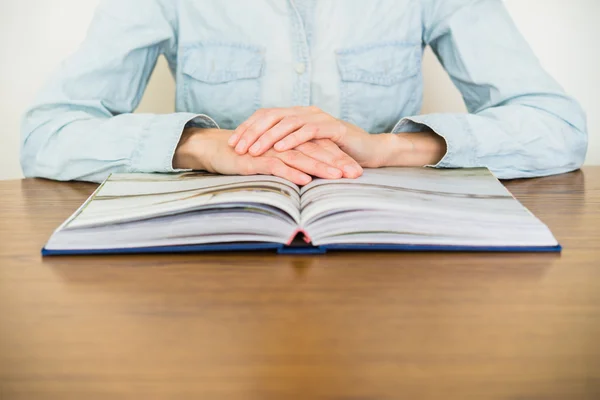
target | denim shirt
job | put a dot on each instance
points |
(357, 60)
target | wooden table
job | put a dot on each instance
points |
(341, 326)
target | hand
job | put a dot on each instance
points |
(287, 128)
(207, 149)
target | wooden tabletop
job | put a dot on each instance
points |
(346, 326)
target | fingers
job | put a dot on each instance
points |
(286, 126)
(260, 122)
(334, 130)
(310, 164)
(265, 141)
(237, 133)
(276, 167)
(331, 154)
(240, 130)
(265, 121)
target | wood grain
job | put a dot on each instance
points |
(341, 326)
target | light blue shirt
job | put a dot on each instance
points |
(357, 60)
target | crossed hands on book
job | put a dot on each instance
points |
(300, 142)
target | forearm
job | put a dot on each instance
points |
(521, 122)
(416, 149)
(74, 145)
(513, 141)
(82, 125)
(196, 147)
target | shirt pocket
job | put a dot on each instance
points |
(222, 81)
(380, 83)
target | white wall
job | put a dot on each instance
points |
(35, 35)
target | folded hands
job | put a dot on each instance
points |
(298, 143)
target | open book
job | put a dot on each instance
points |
(385, 209)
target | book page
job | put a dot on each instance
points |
(210, 226)
(134, 197)
(149, 210)
(419, 205)
(480, 181)
(141, 184)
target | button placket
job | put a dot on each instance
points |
(302, 64)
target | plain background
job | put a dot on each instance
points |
(35, 35)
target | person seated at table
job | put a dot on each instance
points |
(301, 88)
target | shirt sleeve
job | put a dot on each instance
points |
(520, 122)
(81, 126)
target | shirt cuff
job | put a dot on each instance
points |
(453, 128)
(160, 138)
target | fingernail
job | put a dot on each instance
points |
(233, 139)
(334, 172)
(280, 145)
(255, 148)
(349, 170)
(241, 146)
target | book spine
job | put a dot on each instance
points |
(304, 234)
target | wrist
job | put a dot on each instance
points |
(391, 149)
(429, 148)
(194, 149)
(415, 149)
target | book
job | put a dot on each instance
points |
(385, 209)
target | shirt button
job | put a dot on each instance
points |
(300, 68)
